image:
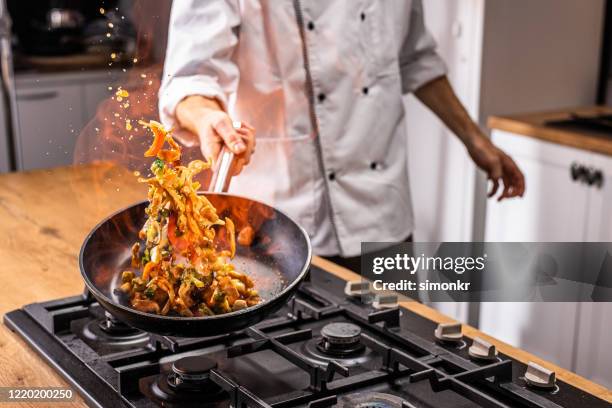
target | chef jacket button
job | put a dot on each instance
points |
(374, 166)
(362, 16)
(321, 97)
(331, 176)
(365, 90)
(310, 25)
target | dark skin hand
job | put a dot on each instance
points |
(439, 97)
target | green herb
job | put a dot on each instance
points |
(145, 257)
(150, 291)
(157, 166)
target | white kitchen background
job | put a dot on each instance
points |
(503, 57)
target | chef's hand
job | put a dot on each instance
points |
(206, 119)
(498, 166)
(438, 95)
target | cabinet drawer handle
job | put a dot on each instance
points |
(578, 172)
(38, 96)
(594, 177)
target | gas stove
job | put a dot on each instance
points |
(329, 346)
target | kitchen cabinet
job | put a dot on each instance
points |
(556, 207)
(93, 94)
(52, 109)
(50, 119)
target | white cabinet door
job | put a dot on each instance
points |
(50, 119)
(594, 327)
(593, 342)
(554, 208)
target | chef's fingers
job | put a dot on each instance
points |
(238, 166)
(508, 191)
(248, 137)
(211, 144)
(495, 173)
(494, 187)
(225, 129)
(514, 181)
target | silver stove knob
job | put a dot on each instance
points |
(357, 288)
(482, 350)
(540, 377)
(450, 332)
(384, 301)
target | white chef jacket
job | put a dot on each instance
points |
(343, 178)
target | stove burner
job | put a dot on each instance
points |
(372, 400)
(339, 342)
(340, 339)
(191, 373)
(188, 384)
(112, 333)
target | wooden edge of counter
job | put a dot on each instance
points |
(533, 125)
(471, 332)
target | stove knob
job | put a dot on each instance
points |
(450, 332)
(482, 350)
(540, 377)
(357, 288)
(384, 301)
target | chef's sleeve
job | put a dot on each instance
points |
(418, 59)
(201, 40)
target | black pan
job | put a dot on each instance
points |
(278, 260)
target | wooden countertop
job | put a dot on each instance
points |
(534, 125)
(46, 214)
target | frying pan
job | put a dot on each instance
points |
(278, 260)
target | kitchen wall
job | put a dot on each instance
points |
(537, 56)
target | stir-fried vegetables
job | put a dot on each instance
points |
(182, 270)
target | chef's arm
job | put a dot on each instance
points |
(199, 74)
(439, 97)
(423, 73)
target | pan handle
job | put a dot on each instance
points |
(222, 170)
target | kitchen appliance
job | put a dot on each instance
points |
(54, 27)
(329, 346)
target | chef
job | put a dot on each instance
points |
(320, 84)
